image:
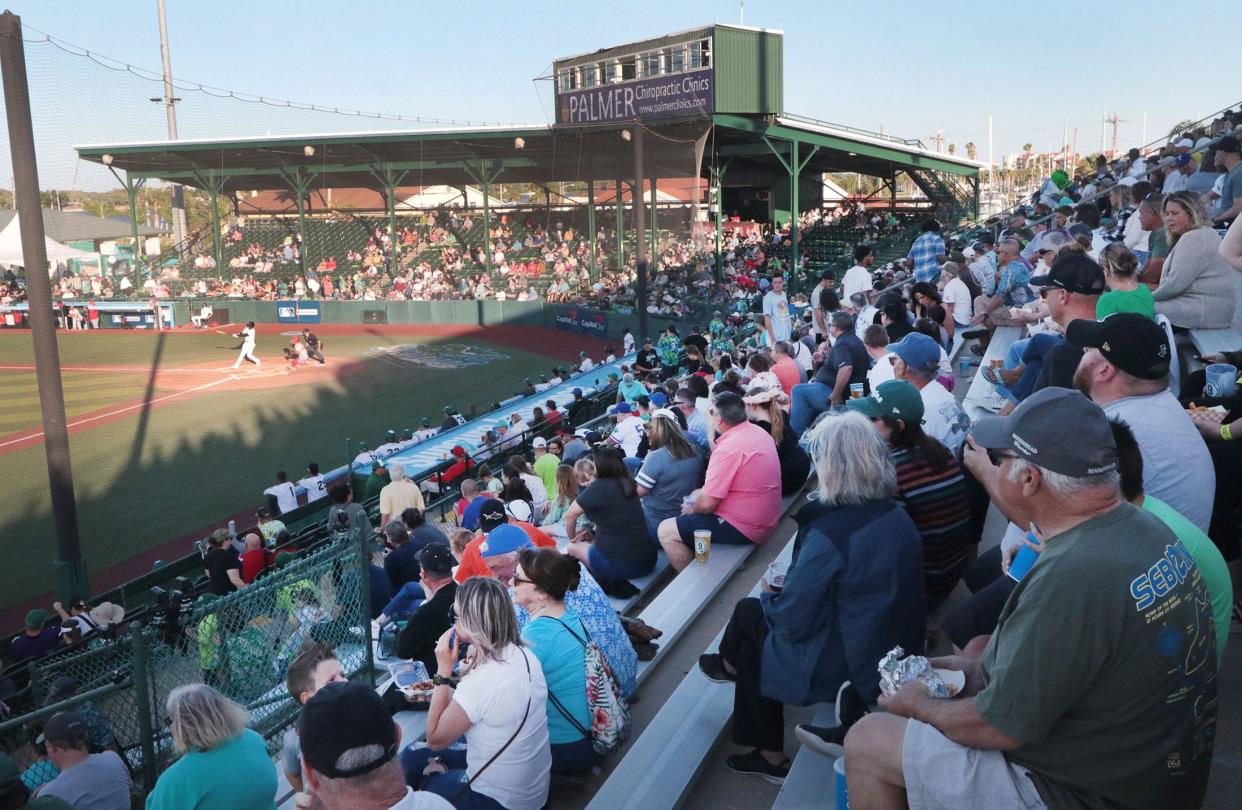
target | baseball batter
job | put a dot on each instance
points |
(247, 348)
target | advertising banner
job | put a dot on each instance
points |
(297, 311)
(581, 319)
(680, 95)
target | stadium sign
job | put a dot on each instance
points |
(297, 311)
(676, 96)
(581, 319)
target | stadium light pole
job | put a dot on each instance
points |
(71, 578)
(170, 101)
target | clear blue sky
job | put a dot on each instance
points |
(912, 68)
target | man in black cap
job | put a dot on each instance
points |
(1118, 711)
(1125, 370)
(647, 360)
(349, 754)
(98, 726)
(96, 781)
(428, 622)
(1228, 160)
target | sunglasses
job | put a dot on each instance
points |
(997, 457)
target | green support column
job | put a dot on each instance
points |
(620, 228)
(389, 178)
(132, 187)
(655, 233)
(299, 181)
(591, 228)
(718, 183)
(213, 182)
(794, 166)
(483, 174)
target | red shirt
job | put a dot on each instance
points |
(253, 562)
(472, 564)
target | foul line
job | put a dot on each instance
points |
(110, 414)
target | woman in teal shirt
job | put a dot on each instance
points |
(1126, 293)
(223, 764)
(557, 638)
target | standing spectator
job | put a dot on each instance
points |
(398, 495)
(858, 278)
(628, 432)
(36, 640)
(620, 548)
(350, 745)
(313, 668)
(223, 565)
(741, 496)
(347, 521)
(917, 361)
(281, 495)
(499, 693)
(1196, 283)
(313, 483)
(765, 407)
(846, 363)
(777, 319)
(255, 559)
(545, 464)
(927, 253)
(671, 471)
(929, 485)
(86, 781)
(853, 591)
(223, 764)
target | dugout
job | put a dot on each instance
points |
(680, 131)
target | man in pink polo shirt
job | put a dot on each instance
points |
(740, 501)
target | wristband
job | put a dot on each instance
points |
(1225, 433)
(440, 680)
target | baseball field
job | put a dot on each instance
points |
(167, 439)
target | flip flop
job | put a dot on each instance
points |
(990, 375)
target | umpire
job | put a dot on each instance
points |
(313, 346)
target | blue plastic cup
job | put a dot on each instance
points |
(843, 793)
(1021, 564)
(1222, 380)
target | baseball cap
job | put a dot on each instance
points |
(1182, 160)
(424, 421)
(1056, 428)
(577, 392)
(342, 717)
(436, 559)
(502, 540)
(1132, 342)
(1184, 143)
(619, 408)
(917, 351)
(36, 618)
(61, 688)
(65, 728)
(1073, 273)
(1228, 144)
(665, 413)
(458, 451)
(539, 441)
(492, 514)
(893, 398)
(985, 237)
(659, 399)
(520, 510)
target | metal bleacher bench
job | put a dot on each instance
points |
(1213, 341)
(980, 389)
(659, 766)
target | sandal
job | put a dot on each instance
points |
(640, 631)
(990, 375)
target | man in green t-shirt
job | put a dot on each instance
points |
(1157, 240)
(1098, 688)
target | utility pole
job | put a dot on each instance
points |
(71, 582)
(169, 101)
(938, 139)
(1115, 120)
(991, 177)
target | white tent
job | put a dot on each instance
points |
(11, 247)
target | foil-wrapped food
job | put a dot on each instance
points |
(896, 671)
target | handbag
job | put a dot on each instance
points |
(610, 718)
(505, 747)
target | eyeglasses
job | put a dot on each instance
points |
(997, 457)
(521, 580)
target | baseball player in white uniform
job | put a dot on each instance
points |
(247, 349)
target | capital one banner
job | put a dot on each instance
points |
(581, 319)
(676, 96)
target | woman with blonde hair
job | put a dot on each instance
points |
(223, 766)
(1196, 284)
(766, 404)
(496, 698)
(566, 492)
(672, 470)
(1125, 292)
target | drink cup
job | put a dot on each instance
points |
(687, 503)
(997, 362)
(702, 545)
(843, 793)
(776, 574)
(1022, 561)
(1222, 380)
(856, 390)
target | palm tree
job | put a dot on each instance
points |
(1027, 147)
(1181, 127)
(952, 148)
(971, 150)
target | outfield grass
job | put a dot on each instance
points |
(158, 474)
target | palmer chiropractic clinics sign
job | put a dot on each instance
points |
(581, 319)
(675, 96)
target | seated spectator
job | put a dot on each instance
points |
(1007, 286)
(845, 363)
(499, 694)
(37, 640)
(401, 562)
(1125, 292)
(255, 559)
(460, 467)
(627, 434)
(671, 471)
(958, 292)
(350, 746)
(492, 515)
(557, 637)
(428, 621)
(630, 389)
(741, 498)
(929, 485)
(422, 533)
(99, 731)
(469, 490)
(1045, 723)
(785, 367)
(458, 538)
(765, 406)
(853, 591)
(313, 668)
(619, 548)
(86, 781)
(398, 495)
(1196, 283)
(917, 361)
(223, 764)
(269, 526)
(565, 487)
(223, 564)
(1125, 370)
(539, 493)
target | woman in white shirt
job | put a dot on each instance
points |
(956, 296)
(538, 491)
(499, 704)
